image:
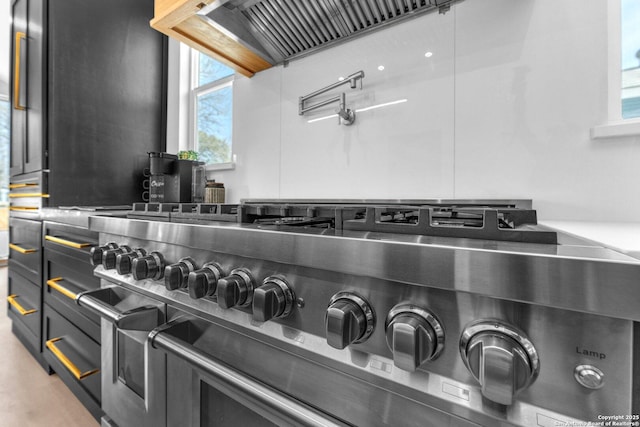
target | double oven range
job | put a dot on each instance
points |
(397, 313)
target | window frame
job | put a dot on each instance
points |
(195, 91)
(4, 191)
(616, 126)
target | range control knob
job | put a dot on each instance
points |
(202, 283)
(148, 267)
(176, 276)
(236, 289)
(500, 357)
(414, 335)
(96, 252)
(273, 299)
(109, 256)
(124, 261)
(348, 320)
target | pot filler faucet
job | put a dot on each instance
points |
(345, 115)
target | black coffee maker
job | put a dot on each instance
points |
(171, 178)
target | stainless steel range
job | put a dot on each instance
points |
(399, 313)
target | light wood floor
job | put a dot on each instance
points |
(28, 396)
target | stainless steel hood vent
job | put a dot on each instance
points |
(280, 30)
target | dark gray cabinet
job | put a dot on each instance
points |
(27, 90)
(24, 299)
(88, 98)
(70, 333)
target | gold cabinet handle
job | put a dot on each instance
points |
(17, 306)
(23, 208)
(22, 185)
(21, 249)
(16, 89)
(15, 195)
(53, 283)
(67, 362)
(66, 242)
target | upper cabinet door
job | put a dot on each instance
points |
(18, 86)
(27, 100)
(36, 66)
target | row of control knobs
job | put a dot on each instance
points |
(499, 356)
(273, 299)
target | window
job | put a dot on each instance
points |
(4, 150)
(624, 71)
(212, 108)
(630, 58)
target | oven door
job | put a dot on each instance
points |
(130, 395)
(206, 389)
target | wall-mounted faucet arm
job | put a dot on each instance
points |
(352, 80)
(344, 114)
(322, 104)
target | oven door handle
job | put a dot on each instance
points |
(277, 406)
(100, 301)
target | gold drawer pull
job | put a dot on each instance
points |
(20, 36)
(17, 306)
(23, 208)
(22, 185)
(21, 250)
(66, 242)
(13, 195)
(66, 362)
(53, 283)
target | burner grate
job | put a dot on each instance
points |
(472, 223)
(459, 219)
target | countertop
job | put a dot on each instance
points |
(77, 216)
(623, 237)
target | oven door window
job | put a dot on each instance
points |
(219, 410)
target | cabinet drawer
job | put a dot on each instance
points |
(70, 240)
(28, 192)
(25, 247)
(64, 278)
(25, 307)
(73, 355)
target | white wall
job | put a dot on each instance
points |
(503, 109)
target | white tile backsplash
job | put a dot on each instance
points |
(502, 109)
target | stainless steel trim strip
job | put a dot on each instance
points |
(251, 393)
(588, 279)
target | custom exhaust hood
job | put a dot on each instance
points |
(280, 30)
